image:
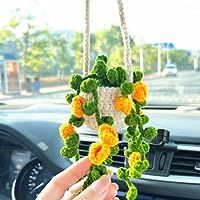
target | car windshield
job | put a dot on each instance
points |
(41, 46)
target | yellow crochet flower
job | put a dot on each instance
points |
(77, 106)
(98, 153)
(65, 130)
(140, 92)
(123, 104)
(133, 158)
(108, 135)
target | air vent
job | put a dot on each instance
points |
(118, 160)
(83, 148)
(186, 163)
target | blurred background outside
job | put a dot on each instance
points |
(41, 46)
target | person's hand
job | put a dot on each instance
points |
(64, 187)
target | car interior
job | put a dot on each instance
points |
(41, 47)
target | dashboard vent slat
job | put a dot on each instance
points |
(185, 172)
(187, 158)
(189, 163)
(185, 163)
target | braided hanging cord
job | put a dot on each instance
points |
(126, 40)
(125, 35)
(86, 39)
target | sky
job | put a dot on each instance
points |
(150, 21)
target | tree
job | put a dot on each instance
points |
(182, 59)
(34, 46)
(38, 52)
(77, 50)
(64, 59)
(149, 57)
(107, 42)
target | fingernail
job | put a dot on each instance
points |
(115, 193)
(101, 185)
(114, 189)
(115, 186)
(110, 172)
(116, 198)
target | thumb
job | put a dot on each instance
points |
(97, 190)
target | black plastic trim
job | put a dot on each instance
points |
(45, 158)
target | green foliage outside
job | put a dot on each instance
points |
(182, 58)
(39, 49)
(44, 52)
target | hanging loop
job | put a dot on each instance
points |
(125, 36)
(126, 40)
(86, 39)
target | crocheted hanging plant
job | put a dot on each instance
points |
(130, 102)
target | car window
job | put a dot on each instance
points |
(41, 46)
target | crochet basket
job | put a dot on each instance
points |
(107, 95)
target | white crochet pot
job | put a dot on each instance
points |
(106, 97)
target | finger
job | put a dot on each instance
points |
(110, 172)
(112, 191)
(98, 190)
(73, 191)
(56, 188)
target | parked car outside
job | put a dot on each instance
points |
(170, 70)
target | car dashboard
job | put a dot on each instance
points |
(30, 144)
(21, 170)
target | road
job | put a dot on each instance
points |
(183, 89)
